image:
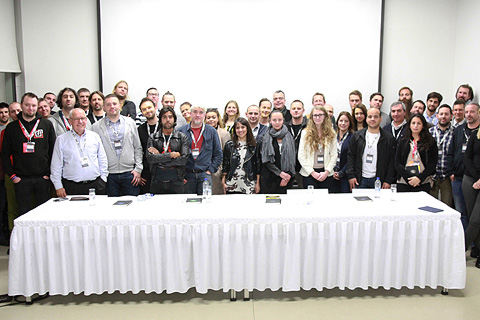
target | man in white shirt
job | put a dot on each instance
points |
(371, 155)
(79, 161)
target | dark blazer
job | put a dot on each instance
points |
(385, 147)
(341, 167)
(429, 159)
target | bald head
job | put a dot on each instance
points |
(13, 109)
(78, 120)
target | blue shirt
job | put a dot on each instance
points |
(210, 156)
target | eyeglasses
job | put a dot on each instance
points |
(80, 119)
(318, 115)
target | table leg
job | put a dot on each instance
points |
(445, 291)
(233, 295)
(28, 300)
(246, 295)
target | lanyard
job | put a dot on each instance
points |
(199, 136)
(437, 137)
(413, 143)
(155, 130)
(95, 118)
(370, 145)
(116, 133)
(166, 142)
(295, 136)
(78, 144)
(340, 142)
(65, 122)
(24, 130)
(398, 130)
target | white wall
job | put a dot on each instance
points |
(429, 45)
(419, 48)
(467, 48)
(59, 45)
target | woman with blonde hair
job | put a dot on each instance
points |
(317, 152)
(230, 114)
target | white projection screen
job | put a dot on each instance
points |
(208, 52)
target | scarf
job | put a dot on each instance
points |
(287, 151)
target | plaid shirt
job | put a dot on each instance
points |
(443, 139)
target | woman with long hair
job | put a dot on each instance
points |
(240, 168)
(230, 114)
(471, 191)
(416, 157)
(213, 118)
(278, 157)
(344, 134)
(359, 117)
(127, 107)
(317, 152)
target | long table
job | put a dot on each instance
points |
(236, 242)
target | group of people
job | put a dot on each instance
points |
(104, 142)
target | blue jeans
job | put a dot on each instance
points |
(367, 183)
(195, 182)
(120, 184)
(459, 202)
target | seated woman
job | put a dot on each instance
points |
(416, 157)
(360, 117)
(212, 118)
(317, 152)
(230, 114)
(344, 134)
(277, 151)
(240, 169)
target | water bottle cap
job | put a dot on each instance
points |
(378, 178)
(205, 179)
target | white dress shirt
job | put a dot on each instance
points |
(67, 156)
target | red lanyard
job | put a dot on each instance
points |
(24, 130)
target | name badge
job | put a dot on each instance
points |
(28, 147)
(117, 144)
(369, 158)
(84, 162)
(440, 152)
(195, 153)
(464, 147)
(319, 159)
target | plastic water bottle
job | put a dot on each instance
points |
(378, 187)
(207, 191)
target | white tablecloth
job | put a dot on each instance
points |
(236, 242)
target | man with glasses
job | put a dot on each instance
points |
(206, 151)
(279, 104)
(79, 161)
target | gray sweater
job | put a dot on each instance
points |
(132, 154)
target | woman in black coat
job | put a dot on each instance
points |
(416, 157)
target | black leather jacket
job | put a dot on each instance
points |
(385, 156)
(178, 143)
(231, 159)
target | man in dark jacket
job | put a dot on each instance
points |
(167, 153)
(371, 154)
(455, 166)
(206, 152)
(26, 155)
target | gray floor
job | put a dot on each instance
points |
(329, 304)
